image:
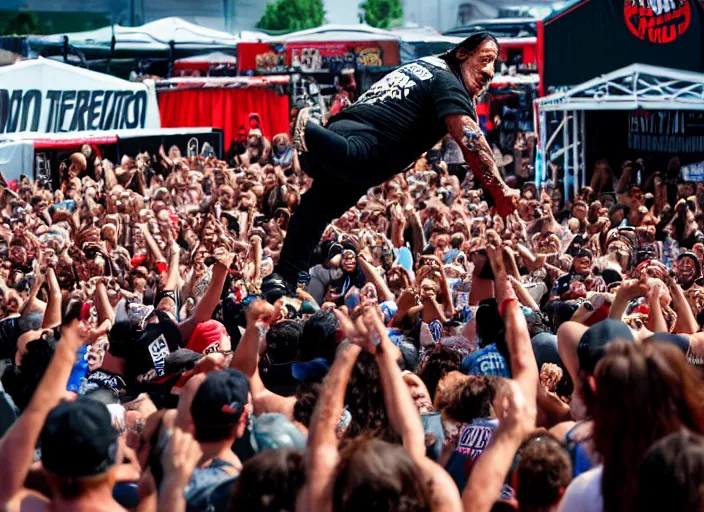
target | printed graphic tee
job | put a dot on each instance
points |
(472, 440)
(407, 108)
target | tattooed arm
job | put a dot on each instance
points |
(480, 159)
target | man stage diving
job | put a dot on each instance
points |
(391, 125)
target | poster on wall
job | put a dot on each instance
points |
(665, 131)
(334, 57)
(45, 96)
(316, 57)
(262, 58)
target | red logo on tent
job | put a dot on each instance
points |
(658, 21)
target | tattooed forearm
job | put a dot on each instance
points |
(472, 138)
(480, 159)
(476, 150)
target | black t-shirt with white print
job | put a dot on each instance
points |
(407, 108)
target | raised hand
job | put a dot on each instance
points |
(181, 457)
(356, 331)
(262, 311)
(224, 256)
(516, 416)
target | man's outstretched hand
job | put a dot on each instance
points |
(510, 202)
(512, 195)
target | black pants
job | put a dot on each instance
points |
(346, 159)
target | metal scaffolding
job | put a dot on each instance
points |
(635, 87)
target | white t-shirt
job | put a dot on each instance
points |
(584, 493)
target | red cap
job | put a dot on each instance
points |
(205, 335)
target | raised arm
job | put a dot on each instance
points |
(179, 461)
(257, 258)
(480, 159)
(102, 303)
(403, 414)
(625, 180)
(52, 313)
(151, 243)
(524, 368)
(32, 303)
(210, 299)
(516, 419)
(686, 321)
(371, 274)
(510, 261)
(629, 290)
(321, 455)
(522, 294)
(172, 275)
(246, 359)
(531, 261)
(17, 445)
(655, 308)
(418, 241)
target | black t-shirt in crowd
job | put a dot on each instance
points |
(407, 108)
(145, 351)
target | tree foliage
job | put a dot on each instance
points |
(22, 23)
(382, 13)
(292, 15)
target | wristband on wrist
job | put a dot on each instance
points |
(506, 293)
(505, 303)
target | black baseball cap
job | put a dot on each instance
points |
(611, 276)
(678, 340)
(220, 399)
(581, 252)
(79, 440)
(592, 345)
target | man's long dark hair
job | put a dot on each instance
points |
(471, 44)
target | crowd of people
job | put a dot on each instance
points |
(436, 357)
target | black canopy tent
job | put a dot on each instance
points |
(587, 56)
(590, 38)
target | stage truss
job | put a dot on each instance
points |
(635, 87)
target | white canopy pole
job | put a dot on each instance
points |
(575, 153)
(565, 156)
(583, 140)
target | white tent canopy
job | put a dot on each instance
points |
(156, 35)
(637, 86)
(214, 58)
(335, 33)
(45, 96)
(501, 80)
(424, 35)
